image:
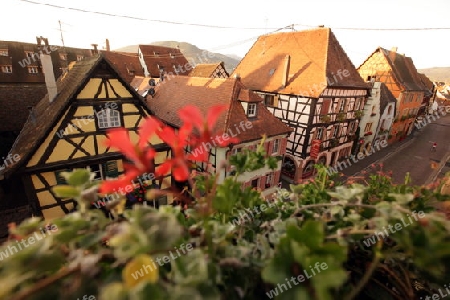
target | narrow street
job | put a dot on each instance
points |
(413, 155)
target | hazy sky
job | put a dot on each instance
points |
(23, 20)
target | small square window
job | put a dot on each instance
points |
(251, 110)
(33, 70)
(7, 69)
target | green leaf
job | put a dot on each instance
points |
(79, 177)
(311, 233)
(66, 191)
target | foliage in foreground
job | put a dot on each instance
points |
(233, 244)
(236, 257)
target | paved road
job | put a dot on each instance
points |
(413, 155)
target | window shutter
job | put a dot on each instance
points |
(262, 182)
(275, 100)
(283, 146)
(325, 106)
(110, 169)
(276, 177)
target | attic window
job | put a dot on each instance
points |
(33, 70)
(172, 56)
(251, 110)
(3, 52)
(63, 56)
(80, 57)
(29, 54)
(155, 53)
(108, 118)
(6, 69)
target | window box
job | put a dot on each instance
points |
(359, 114)
(341, 116)
(368, 133)
(325, 118)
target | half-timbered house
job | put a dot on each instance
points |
(216, 70)
(400, 75)
(245, 119)
(68, 132)
(309, 83)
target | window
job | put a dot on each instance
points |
(236, 151)
(108, 118)
(351, 127)
(341, 105)
(59, 178)
(269, 180)
(7, 69)
(80, 57)
(269, 100)
(63, 56)
(33, 70)
(319, 133)
(251, 110)
(29, 54)
(255, 183)
(336, 131)
(368, 128)
(3, 52)
(276, 146)
(373, 111)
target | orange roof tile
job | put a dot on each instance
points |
(316, 60)
(205, 70)
(172, 95)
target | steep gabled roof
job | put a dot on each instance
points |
(127, 64)
(403, 69)
(429, 85)
(206, 70)
(180, 91)
(45, 114)
(165, 57)
(316, 60)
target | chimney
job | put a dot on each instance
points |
(393, 53)
(95, 50)
(107, 45)
(47, 67)
(287, 62)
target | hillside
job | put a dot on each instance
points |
(192, 53)
(437, 73)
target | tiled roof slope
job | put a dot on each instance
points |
(165, 57)
(127, 64)
(205, 70)
(403, 69)
(14, 102)
(315, 57)
(174, 94)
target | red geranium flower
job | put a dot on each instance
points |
(140, 155)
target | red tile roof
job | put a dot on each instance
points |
(127, 64)
(315, 58)
(180, 91)
(166, 57)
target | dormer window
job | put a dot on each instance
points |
(80, 57)
(33, 70)
(6, 69)
(3, 52)
(251, 110)
(108, 118)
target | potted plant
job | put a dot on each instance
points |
(341, 116)
(325, 118)
(359, 114)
